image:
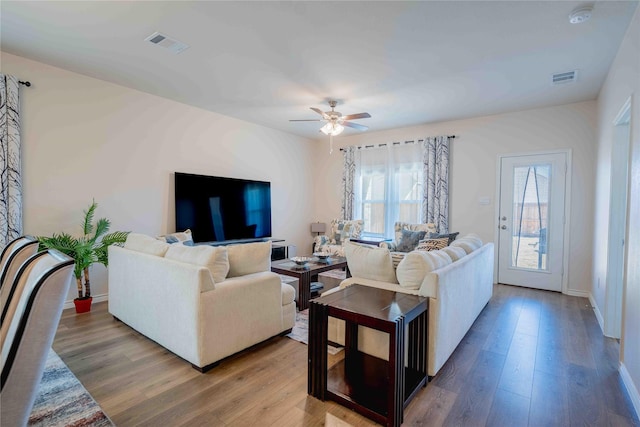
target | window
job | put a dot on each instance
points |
(388, 187)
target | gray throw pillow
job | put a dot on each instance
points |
(409, 240)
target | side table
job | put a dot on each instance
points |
(376, 388)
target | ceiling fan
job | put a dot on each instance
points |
(335, 121)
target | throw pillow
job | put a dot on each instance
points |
(369, 262)
(432, 244)
(454, 252)
(248, 258)
(146, 244)
(213, 257)
(184, 236)
(468, 243)
(397, 257)
(450, 236)
(409, 240)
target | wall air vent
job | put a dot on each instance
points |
(562, 78)
(167, 42)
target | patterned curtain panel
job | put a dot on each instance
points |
(10, 169)
(348, 176)
(435, 201)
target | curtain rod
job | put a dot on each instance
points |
(384, 144)
(27, 83)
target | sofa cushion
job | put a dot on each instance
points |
(370, 262)
(432, 244)
(248, 258)
(454, 252)
(468, 243)
(178, 237)
(409, 240)
(146, 244)
(415, 266)
(213, 257)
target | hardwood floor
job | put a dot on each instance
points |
(532, 358)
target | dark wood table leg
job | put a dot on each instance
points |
(395, 398)
(317, 351)
(304, 290)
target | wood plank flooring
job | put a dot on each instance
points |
(532, 358)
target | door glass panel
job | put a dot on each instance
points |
(530, 216)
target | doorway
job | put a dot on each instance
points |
(617, 222)
(531, 221)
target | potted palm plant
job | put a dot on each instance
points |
(91, 247)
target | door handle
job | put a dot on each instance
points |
(504, 227)
(504, 218)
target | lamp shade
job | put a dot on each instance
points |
(318, 227)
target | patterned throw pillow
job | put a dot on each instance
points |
(409, 240)
(450, 236)
(396, 258)
(433, 244)
(184, 237)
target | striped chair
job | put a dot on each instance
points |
(12, 258)
(30, 323)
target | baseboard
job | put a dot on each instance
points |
(631, 388)
(96, 298)
(575, 293)
(596, 310)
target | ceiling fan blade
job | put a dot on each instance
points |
(355, 126)
(356, 116)
(306, 120)
(319, 111)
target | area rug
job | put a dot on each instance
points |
(300, 331)
(63, 401)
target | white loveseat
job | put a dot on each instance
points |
(458, 289)
(203, 303)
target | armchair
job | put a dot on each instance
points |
(340, 231)
(28, 331)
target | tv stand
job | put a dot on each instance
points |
(238, 241)
(277, 251)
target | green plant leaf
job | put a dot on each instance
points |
(87, 227)
(102, 226)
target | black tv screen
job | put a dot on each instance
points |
(218, 209)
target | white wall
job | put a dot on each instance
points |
(84, 138)
(474, 154)
(622, 81)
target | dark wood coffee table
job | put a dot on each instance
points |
(304, 274)
(376, 388)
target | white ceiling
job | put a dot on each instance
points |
(406, 63)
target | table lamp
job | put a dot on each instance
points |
(318, 227)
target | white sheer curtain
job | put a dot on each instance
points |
(388, 186)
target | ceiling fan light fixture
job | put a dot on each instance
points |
(332, 128)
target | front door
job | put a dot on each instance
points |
(531, 221)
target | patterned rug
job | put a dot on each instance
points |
(63, 401)
(300, 331)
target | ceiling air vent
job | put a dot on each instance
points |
(167, 42)
(562, 78)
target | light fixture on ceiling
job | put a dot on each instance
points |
(332, 128)
(581, 14)
(335, 122)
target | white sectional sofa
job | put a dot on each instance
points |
(458, 281)
(203, 303)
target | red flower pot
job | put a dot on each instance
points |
(83, 305)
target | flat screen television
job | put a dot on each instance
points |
(218, 209)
